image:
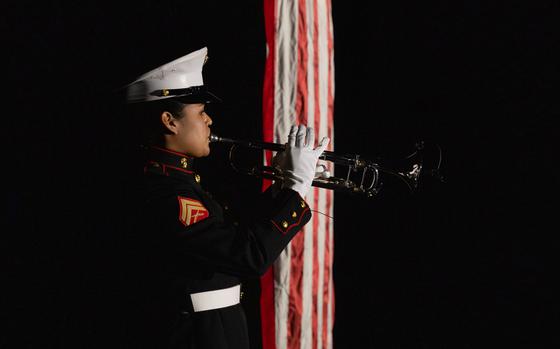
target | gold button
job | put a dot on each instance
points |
(302, 203)
(184, 162)
(285, 224)
(241, 295)
(197, 178)
(294, 214)
(165, 92)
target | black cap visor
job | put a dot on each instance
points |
(194, 94)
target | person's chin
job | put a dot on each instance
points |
(206, 152)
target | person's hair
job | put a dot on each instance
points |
(146, 116)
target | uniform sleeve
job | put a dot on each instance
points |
(198, 233)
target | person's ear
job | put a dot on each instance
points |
(169, 122)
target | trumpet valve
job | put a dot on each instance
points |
(322, 172)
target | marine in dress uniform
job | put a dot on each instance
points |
(193, 258)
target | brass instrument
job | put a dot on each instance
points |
(371, 172)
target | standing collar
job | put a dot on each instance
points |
(169, 162)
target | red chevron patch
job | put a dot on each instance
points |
(191, 211)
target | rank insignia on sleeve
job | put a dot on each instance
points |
(191, 211)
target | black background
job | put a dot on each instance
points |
(462, 264)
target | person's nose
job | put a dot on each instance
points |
(208, 120)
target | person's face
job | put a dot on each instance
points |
(193, 130)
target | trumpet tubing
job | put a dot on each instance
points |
(371, 172)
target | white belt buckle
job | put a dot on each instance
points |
(216, 299)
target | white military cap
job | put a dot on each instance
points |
(181, 79)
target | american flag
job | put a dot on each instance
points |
(297, 299)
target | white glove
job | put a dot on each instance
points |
(300, 160)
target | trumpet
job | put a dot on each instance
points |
(371, 173)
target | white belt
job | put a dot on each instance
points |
(216, 299)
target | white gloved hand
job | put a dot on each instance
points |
(300, 160)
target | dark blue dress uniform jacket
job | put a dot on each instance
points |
(187, 246)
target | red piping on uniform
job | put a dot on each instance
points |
(164, 166)
(290, 227)
(178, 169)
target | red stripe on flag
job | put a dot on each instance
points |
(269, 73)
(301, 89)
(267, 310)
(316, 66)
(315, 281)
(326, 281)
(267, 281)
(317, 125)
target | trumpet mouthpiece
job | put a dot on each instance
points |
(214, 138)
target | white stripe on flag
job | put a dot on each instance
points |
(284, 106)
(286, 69)
(307, 287)
(310, 101)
